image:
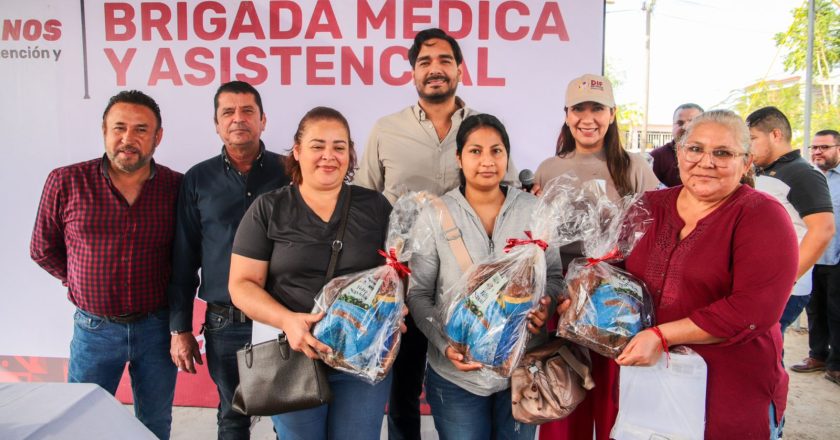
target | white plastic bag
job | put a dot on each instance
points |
(664, 402)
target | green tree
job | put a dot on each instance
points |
(788, 94)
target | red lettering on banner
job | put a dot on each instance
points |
(363, 69)
(31, 30)
(551, 12)
(385, 64)
(125, 21)
(164, 68)
(445, 18)
(260, 72)
(147, 22)
(484, 78)
(313, 65)
(181, 17)
(285, 54)
(247, 10)
(387, 15)
(410, 18)
(466, 78)
(11, 29)
(501, 21)
(224, 64)
(217, 23)
(52, 30)
(274, 20)
(323, 8)
(120, 66)
(483, 20)
(191, 59)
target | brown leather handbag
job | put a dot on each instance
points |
(550, 382)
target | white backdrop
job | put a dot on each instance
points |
(519, 56)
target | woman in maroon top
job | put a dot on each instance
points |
(720, 260)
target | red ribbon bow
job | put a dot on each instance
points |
(611, 255)
(513, 242)
(391, 260)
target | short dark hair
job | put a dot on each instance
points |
(319, 114)
(134, 97)
(239, 87)
(473, 123)
(769, 118)
(429, 34)
(834, 133)
(687, 105)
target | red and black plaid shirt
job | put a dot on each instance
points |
(114, 258)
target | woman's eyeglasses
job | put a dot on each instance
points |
(718, 156)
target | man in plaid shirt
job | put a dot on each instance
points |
(105, 228)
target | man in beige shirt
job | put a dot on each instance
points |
(414, 150)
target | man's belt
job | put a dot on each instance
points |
(235, 314)
(127, 318)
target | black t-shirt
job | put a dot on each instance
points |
(280, 228)
(798, 186)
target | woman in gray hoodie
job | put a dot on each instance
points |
(467, 400)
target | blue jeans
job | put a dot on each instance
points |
(100, 349)
(775, 428)
(795, 305)
(355, 412)
(223, 336)
(461, 415)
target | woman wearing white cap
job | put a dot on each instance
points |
(590, 146)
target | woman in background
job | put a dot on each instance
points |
(589, 145)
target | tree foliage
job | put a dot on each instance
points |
(788, 95)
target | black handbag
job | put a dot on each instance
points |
(273, 378)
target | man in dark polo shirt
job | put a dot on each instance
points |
(800, 188)
(665, 157)
(215, 195)
(104, 228)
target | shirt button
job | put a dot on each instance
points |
(249, 194)
(752, 326)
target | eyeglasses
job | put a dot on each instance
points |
(822, 148)
(720, 157)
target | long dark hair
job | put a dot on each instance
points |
(618, 161)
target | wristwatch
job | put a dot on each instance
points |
(178, 332)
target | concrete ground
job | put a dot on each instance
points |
(813, 407)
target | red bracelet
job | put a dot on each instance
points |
(658, 332)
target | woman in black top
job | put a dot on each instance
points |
(280, 257)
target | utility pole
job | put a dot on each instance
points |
(809, 77)
(648, 8)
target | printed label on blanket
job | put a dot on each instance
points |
(486, 294)
(362, 292)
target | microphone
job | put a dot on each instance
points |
(526, 178)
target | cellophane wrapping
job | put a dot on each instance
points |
(484, 314)
(363, 311)
(608, 305)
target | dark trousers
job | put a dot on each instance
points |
(223, 336)
(408, 371)
(824, 316)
